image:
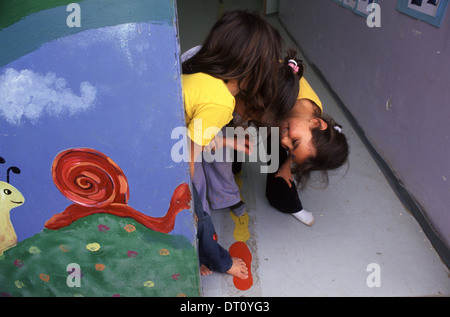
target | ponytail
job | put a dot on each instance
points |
(290, 72)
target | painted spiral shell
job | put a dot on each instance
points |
(89, 178)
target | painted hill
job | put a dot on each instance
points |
(117, 257)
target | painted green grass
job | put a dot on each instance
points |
(117, 257)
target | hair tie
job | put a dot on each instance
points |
(293, 64)
(338, 129)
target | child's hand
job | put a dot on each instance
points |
(285, 172)
(239, 144)
(215, 143)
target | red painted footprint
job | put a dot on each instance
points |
(240, 250)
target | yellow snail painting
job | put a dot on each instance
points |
(10, 197)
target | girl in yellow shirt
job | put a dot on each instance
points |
(238, 57)
(222, 190)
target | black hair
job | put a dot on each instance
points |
(332, 151)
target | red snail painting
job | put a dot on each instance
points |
(96, 184)
(10, 197)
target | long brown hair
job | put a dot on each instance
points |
(286, 91)
(287, 87)
(240, 46)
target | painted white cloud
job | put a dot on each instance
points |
(28, 95)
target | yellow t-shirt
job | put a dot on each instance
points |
(208, 105)
(306, 92)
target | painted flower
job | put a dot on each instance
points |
(164, 252)
(64, 248)
(149, 284)
(129, 228)
(93, 246)
(103, 228)
(99, 267)
(34, 250)
(19, 284)
(132, 254)
(44, 277)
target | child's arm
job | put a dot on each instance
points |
(239, 144)
(195, 150)
(285, 171)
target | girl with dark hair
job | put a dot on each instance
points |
(310, 141)
(239, 57)
(241, 50)
(223, 192)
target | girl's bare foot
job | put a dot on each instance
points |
(238, 269)
(204, 270)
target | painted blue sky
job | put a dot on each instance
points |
(114, 89)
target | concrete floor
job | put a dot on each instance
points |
(359, 221)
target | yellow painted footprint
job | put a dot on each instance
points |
(241, 232)
(239, 182)
(238, 179)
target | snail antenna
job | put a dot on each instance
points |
(2, 160)
(14, 169)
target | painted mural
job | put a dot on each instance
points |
(10, 197)
(91, 203)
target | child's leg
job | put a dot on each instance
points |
(281, 196)
(223, 191)
(212, 255)
(200, 184)
(285, 199)
(237, 166)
